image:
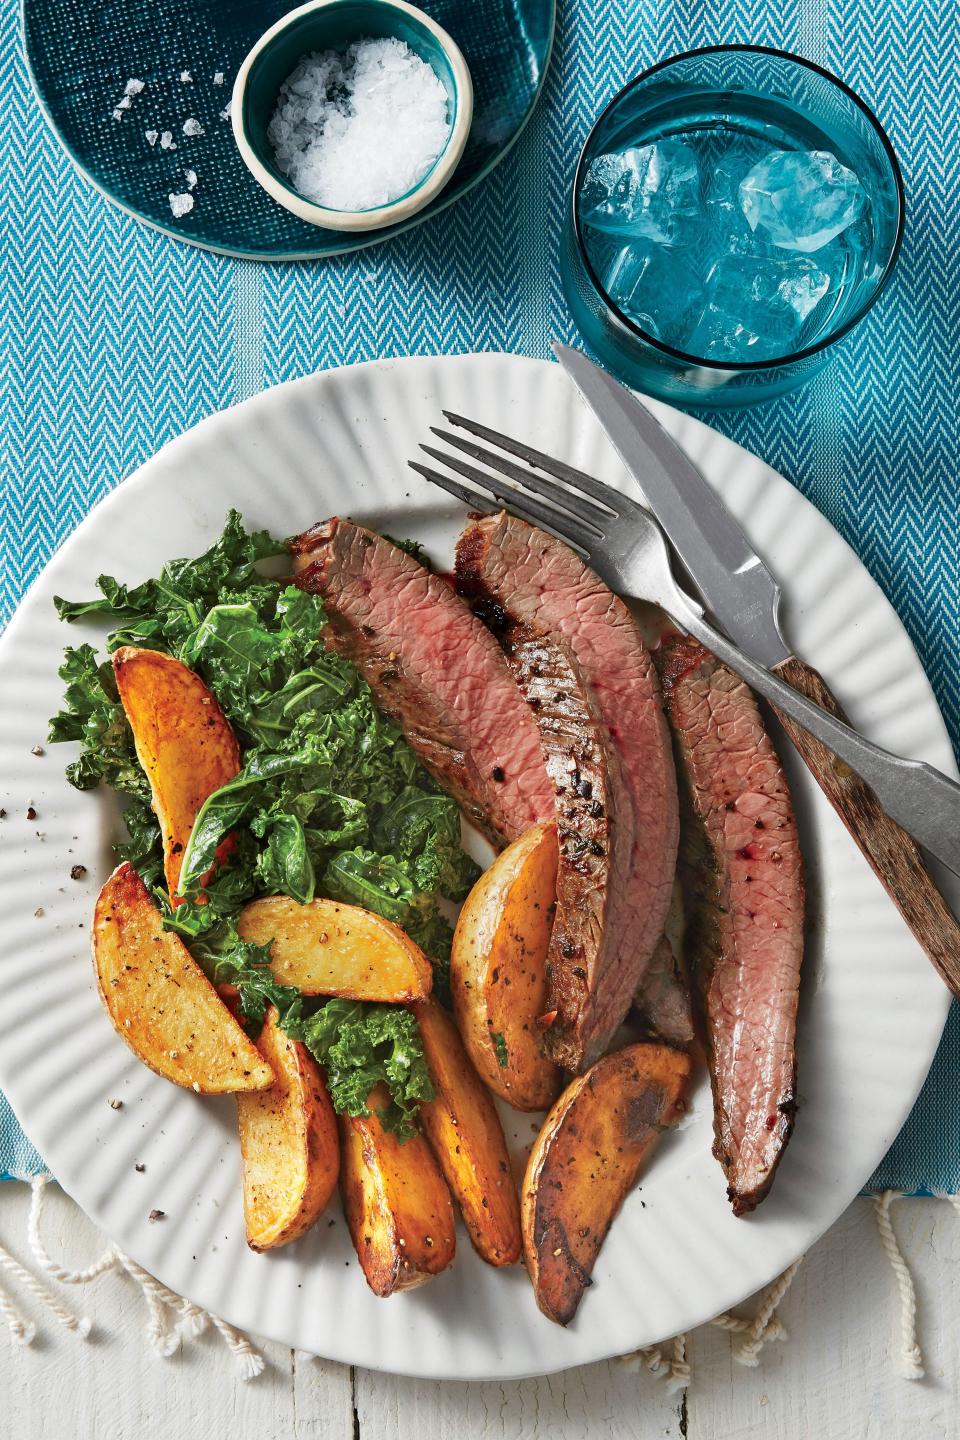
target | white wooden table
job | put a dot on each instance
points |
(835, 1378)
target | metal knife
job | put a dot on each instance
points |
(744, 599)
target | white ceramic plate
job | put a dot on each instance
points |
(872, 1007)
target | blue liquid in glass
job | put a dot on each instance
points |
(740, 238)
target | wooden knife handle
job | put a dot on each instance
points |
(893, 853)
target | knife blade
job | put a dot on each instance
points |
(744, 598)
(734, 583)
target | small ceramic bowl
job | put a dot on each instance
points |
(335, 25)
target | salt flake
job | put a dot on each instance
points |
(192, 127)
(225, 112)
(357, 130)
(118, 114)
(186, 78)
(191, 179)
(166, 141)
(125, 103)
(180, 205)
(218, 78)
(133, 87)
(151, 137)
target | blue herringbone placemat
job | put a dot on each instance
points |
(113, 339)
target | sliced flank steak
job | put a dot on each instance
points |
(434, 669)
(662, 1004)
(518, 575)
(741, 859)
(594, 835)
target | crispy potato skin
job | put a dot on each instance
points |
(396, 1202)
(584, 1161)
(325, 948)
(183, 740)
(161, 1002)
(497, 975)
(289, 1144)
(465, 1134)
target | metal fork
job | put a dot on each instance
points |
(624, 545)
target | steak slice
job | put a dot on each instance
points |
(434, 669)
(512, 569)
(663, 1004)
(594, 840)
(744, 942)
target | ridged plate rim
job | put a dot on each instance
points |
(873, 1010)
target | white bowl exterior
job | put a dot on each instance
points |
(398, 210)
(872, 1007)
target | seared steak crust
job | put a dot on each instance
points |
(516, 573)
(741, 860)
(434, 669)
(594, 840)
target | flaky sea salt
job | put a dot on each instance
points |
(192, 127)
(125, 103)
(218, 78)
(180, 205)
(167, 141)
(357, 130)
(152, 137)
(191, 178)
(118, 113)
(186, 78)
(225, 112)
(133, 87)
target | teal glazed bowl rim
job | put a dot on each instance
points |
(334, 24)
(780, 361)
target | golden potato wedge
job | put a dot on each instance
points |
(325, 948)
(161, 1002)
(289, 1143)
(497, 977)
(584, 1161)
(396, 1202)
(183, 740)
(465, 1134)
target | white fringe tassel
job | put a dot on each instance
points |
(674, 1368)
(911, 1357)
(163, 1305)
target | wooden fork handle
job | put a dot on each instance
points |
(893, 854)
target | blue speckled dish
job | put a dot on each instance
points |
(81, 55)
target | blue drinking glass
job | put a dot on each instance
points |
(726, 101)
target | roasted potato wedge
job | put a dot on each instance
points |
(396, 1202)
(497, 974)
(289, 1143)
(326, 948)
(465, 1134)
(183, 739)
(161, 1002)
(584, 1161)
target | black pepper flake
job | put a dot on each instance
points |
(77, 872)
(37, 750)
(115, 1104)
(139, 1168)
(498, 774)
(31, 813)
(156, 1215)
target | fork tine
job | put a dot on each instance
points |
(523, 505)
(576, 479)
(570, 500)
(473, 498)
